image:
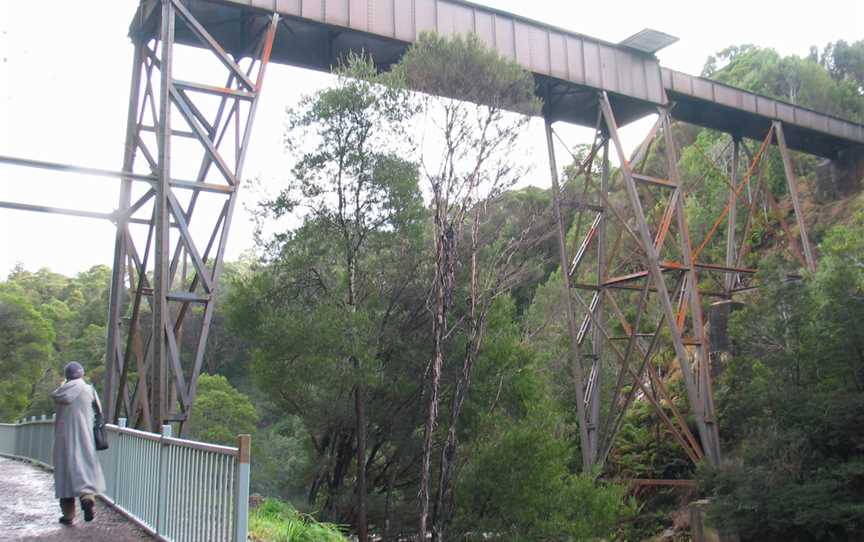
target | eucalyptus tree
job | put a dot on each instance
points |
(25, 352)
(327, 309)
(477, 105)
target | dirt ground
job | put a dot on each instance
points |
(29, 512)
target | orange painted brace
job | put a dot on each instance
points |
(720, 174)
(268, 49)
(793, 242)
(738, 190)
(667, 221)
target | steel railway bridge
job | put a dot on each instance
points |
(582, 80)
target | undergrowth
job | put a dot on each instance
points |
(278, 521)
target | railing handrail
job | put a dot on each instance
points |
(223, 473)
(205, 446)
(174, 441)
(25, 421)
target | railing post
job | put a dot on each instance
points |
(53, 426)
(121, 423)
(17, 440)
(241, 522)
(43, 440)
(162, 486)
(30, 436)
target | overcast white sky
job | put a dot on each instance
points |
(64, 83)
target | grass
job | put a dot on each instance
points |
(277, 521)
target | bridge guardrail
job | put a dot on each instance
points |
(178, 490)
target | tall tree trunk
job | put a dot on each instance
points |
(343, 447)
(440, 513)
(360, 410)
(444, 269)
(388, 503)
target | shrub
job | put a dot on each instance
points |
(278, 521)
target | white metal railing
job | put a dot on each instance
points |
(179, 490)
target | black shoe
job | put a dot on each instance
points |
(88, 505)
(66, 521)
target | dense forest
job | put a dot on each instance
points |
(399, 355)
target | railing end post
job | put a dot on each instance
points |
(162, 511)
(244, 457)
(244, 444)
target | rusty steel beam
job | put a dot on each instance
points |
(792, 183)
(575, 351)
(698, 405)
(687, 329)
(600, 316)
(738, 189)
(731, 256)
(655, 377)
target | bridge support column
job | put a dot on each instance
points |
(174, 124)
(576, 362)
(657, 271)
(792, 183)
(731, 247)
(114, 352)
(649, 244)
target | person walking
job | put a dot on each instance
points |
(77, 472)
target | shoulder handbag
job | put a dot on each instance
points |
(100, 436)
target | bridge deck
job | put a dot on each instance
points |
(569, 67)
(29, 511)
(722, 107)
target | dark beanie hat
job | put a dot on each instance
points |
(73, 370)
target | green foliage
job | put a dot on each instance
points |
(515, 214)
(793, 79)
(349, 175)
(845, 62)
(340, 303)
(792, 402)
(281, 458)
(75, 308)
(221, 412)
(808, 82)
(507, 380)
(332, 307)
(519, 487)
(516, 481)
(645, 448)
(463, 68)
(25, 353)
(276, 521)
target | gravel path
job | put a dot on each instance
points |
(29, 511)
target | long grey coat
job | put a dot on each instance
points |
(76, 468)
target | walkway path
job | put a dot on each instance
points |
(29, 511)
